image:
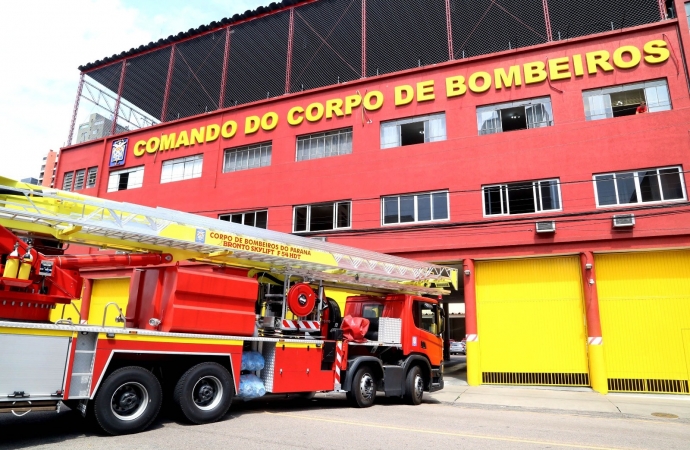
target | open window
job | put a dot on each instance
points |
(321, 217)
(426, 316)
(258, 219)
(522, 198)
(511, 116)
(625, 99)
(413, 130)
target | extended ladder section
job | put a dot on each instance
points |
(92, 221)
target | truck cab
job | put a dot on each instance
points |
(405, 370)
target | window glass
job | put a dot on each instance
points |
(322, 217)
(343, 215)
(625, 182)
(649, 186)
(122, 180)
(549, 195)
(425, 319)
(521, 198)
(624, 100)
(301, 218)
(321, 145)
(182, 168)
(67, 181)
(237, 218)
(79, 180)
(671, 184)
(91, 177)
(440, 203)
(407, 209)
(492, 200)
(249, 219)
(687, 12)
(606, 190)
(424, 207)
(258, 219)
(390, 210)
(372, 311)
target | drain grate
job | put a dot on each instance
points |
(648, 385)
(526, 378)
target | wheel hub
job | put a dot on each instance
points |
(418, 386)
(129, 401)
(366, 386)
(207, 393)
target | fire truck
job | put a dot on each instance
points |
(204, 297)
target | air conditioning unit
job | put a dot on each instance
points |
(546, 227)
(319, 238)
(624, 220)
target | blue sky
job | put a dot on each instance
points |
(47, 40)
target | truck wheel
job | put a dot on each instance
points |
(128, 401)
(363, 391)
(204, 393)
(414, 386)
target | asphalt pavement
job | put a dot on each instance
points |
(460, 416)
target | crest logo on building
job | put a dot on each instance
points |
(118, 151)
(200, 237)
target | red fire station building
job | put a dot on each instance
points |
(542, 146)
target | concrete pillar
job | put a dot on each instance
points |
(595, 343)
(474, 370)
(446, 333)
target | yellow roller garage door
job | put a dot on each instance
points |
(644, 303)
(531, 321)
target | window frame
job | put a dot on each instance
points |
(182, 161)
(507, 202)
(244, 213)
(79, 180)
(416, 208)
(71, 181)
(638, 192)
(324, 135)
(335, 216)
(414, 119)
(259, 146)
(127, 170)
(497, 107)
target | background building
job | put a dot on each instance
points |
(48, 169)
(96, 128)
(508, 139)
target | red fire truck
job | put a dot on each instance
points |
(214, 310)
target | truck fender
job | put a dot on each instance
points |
(423, 363)
(355, 363)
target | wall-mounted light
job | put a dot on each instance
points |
(588, 266)
(467, 273)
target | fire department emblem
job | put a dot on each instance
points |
(118, 151)
(200, 236)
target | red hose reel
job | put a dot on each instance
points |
(301, 299)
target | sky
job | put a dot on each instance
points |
(42, 42)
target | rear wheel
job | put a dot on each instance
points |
(204, 393)
(128, 401)
(363, 391)
(414, 386)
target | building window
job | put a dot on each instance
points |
(321, 145)
(182, 168)
(415, 130)
(250, 157)
(511, 116)
(687, 12)
(626, 100)
(322, 217)
(79, 180)
(425, 207)
(126, 179)
(643, 186)
(522, 198)
(257, 219)
(91, 177)
(67, 181)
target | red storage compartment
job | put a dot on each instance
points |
(193, 301)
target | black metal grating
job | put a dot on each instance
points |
(648, 385)
(145, 79)
(404, 34)
(481, 27)
(573, 18)
(327, 44)
(549, 379)
(258, 60)
(108, 76)
(196, 77)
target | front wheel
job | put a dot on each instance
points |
(128, 401)
(414, 386)
(363, 391)
(204, 393)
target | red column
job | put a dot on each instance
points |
(474, 370)
(449, 27)
(168, 83)
(595, 342)
(364, 38)
(86, 300)
(224, 76)
(291, 35)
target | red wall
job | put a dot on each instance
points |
(572, 150)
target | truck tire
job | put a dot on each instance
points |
(414, 386)
(363, 391)
(204, 393)
(128, 401)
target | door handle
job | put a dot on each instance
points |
(423, 344)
